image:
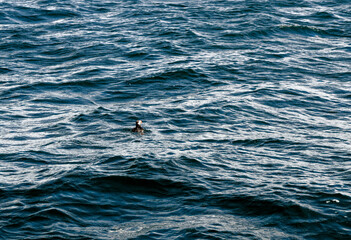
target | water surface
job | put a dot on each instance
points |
(246, 106)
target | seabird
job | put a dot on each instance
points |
(138, 127)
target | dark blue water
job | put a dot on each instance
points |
(246, 106)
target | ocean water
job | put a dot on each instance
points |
(246, 107)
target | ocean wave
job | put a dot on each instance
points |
(245, 106)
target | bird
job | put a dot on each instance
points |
(138, 128)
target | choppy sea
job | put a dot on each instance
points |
(246, 107)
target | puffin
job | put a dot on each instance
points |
(138, 128)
